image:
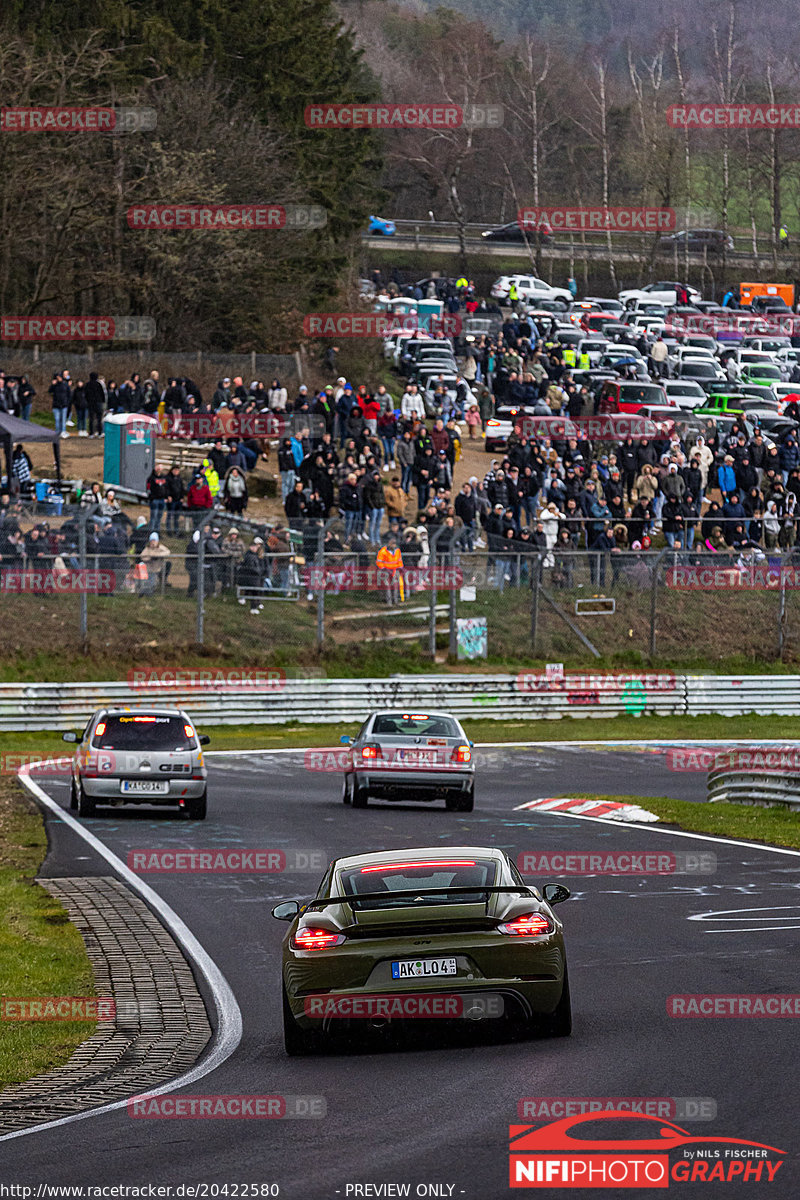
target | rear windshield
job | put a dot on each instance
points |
(414, 725)
(143, 731)
(420, 875)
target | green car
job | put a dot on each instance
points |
(430, 932)
(721, 403)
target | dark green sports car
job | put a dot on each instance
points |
(428, 932)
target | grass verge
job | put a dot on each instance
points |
(41, 950)
(771, 826)
(275, 737)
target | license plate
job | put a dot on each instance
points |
(423, 968)
(145, 785)
(418, 758)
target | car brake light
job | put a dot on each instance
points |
(371, 752)
(527, 925)
(462, 754)
(432, 863)
(316, 939)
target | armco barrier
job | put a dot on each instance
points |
(761, 788)
(42, 706)
(731, 695)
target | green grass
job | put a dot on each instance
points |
(41, 951)
(294, 734)
(772, 826)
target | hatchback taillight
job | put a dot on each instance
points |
(316, 939)
(528, 925)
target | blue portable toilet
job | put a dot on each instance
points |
(129, 453)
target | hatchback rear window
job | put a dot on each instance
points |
(414, 725)
(144, 731)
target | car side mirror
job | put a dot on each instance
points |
(471, 744)
(204, 739)
(287, 911)
(555, 893)
(346, 740)
(69, 737)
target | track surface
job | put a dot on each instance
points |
(436, 1110)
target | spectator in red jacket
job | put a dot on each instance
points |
(370, 408)
(199, 493)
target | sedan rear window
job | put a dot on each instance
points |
(144, 731)
(414, 725)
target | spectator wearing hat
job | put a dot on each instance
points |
(726, 477)
(251, 572)
(155, 555)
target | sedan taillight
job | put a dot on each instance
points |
(370, 752)
(316, 939)
(462, 754)
(528, 925)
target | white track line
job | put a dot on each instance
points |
(229, 1018)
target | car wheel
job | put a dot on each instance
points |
(86, 806)
(296, 1041)
(559, 1022)
(197, 807)
(73, 795)
(346, 798)
(360, 795)
(461, 802)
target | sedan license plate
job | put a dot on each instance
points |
(423, 968)
(145, 785)
(418, 758)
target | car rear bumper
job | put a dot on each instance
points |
(109, 790)
(422, 784)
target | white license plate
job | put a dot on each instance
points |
(418, 758)
(423, 968)
(161, 786)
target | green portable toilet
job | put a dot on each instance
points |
(130, 450)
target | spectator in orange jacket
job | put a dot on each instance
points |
(390, 560)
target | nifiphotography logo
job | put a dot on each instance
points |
(621, 1149)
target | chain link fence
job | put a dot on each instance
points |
(223, 586)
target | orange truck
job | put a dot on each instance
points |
(749, 291)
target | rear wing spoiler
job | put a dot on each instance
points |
(415, 893)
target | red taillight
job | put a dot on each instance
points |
(100, 730)
(187, 729)
(371, 752)
(528, 925)
(316, 939)
(462, 754)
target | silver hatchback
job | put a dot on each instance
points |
(410, 756)
(139, 756)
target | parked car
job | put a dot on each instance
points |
(529, 288)
(656, 293)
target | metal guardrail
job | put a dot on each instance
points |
(733, 695)
(59, 706)
(760, 788)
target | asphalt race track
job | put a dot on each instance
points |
(434, 1108)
